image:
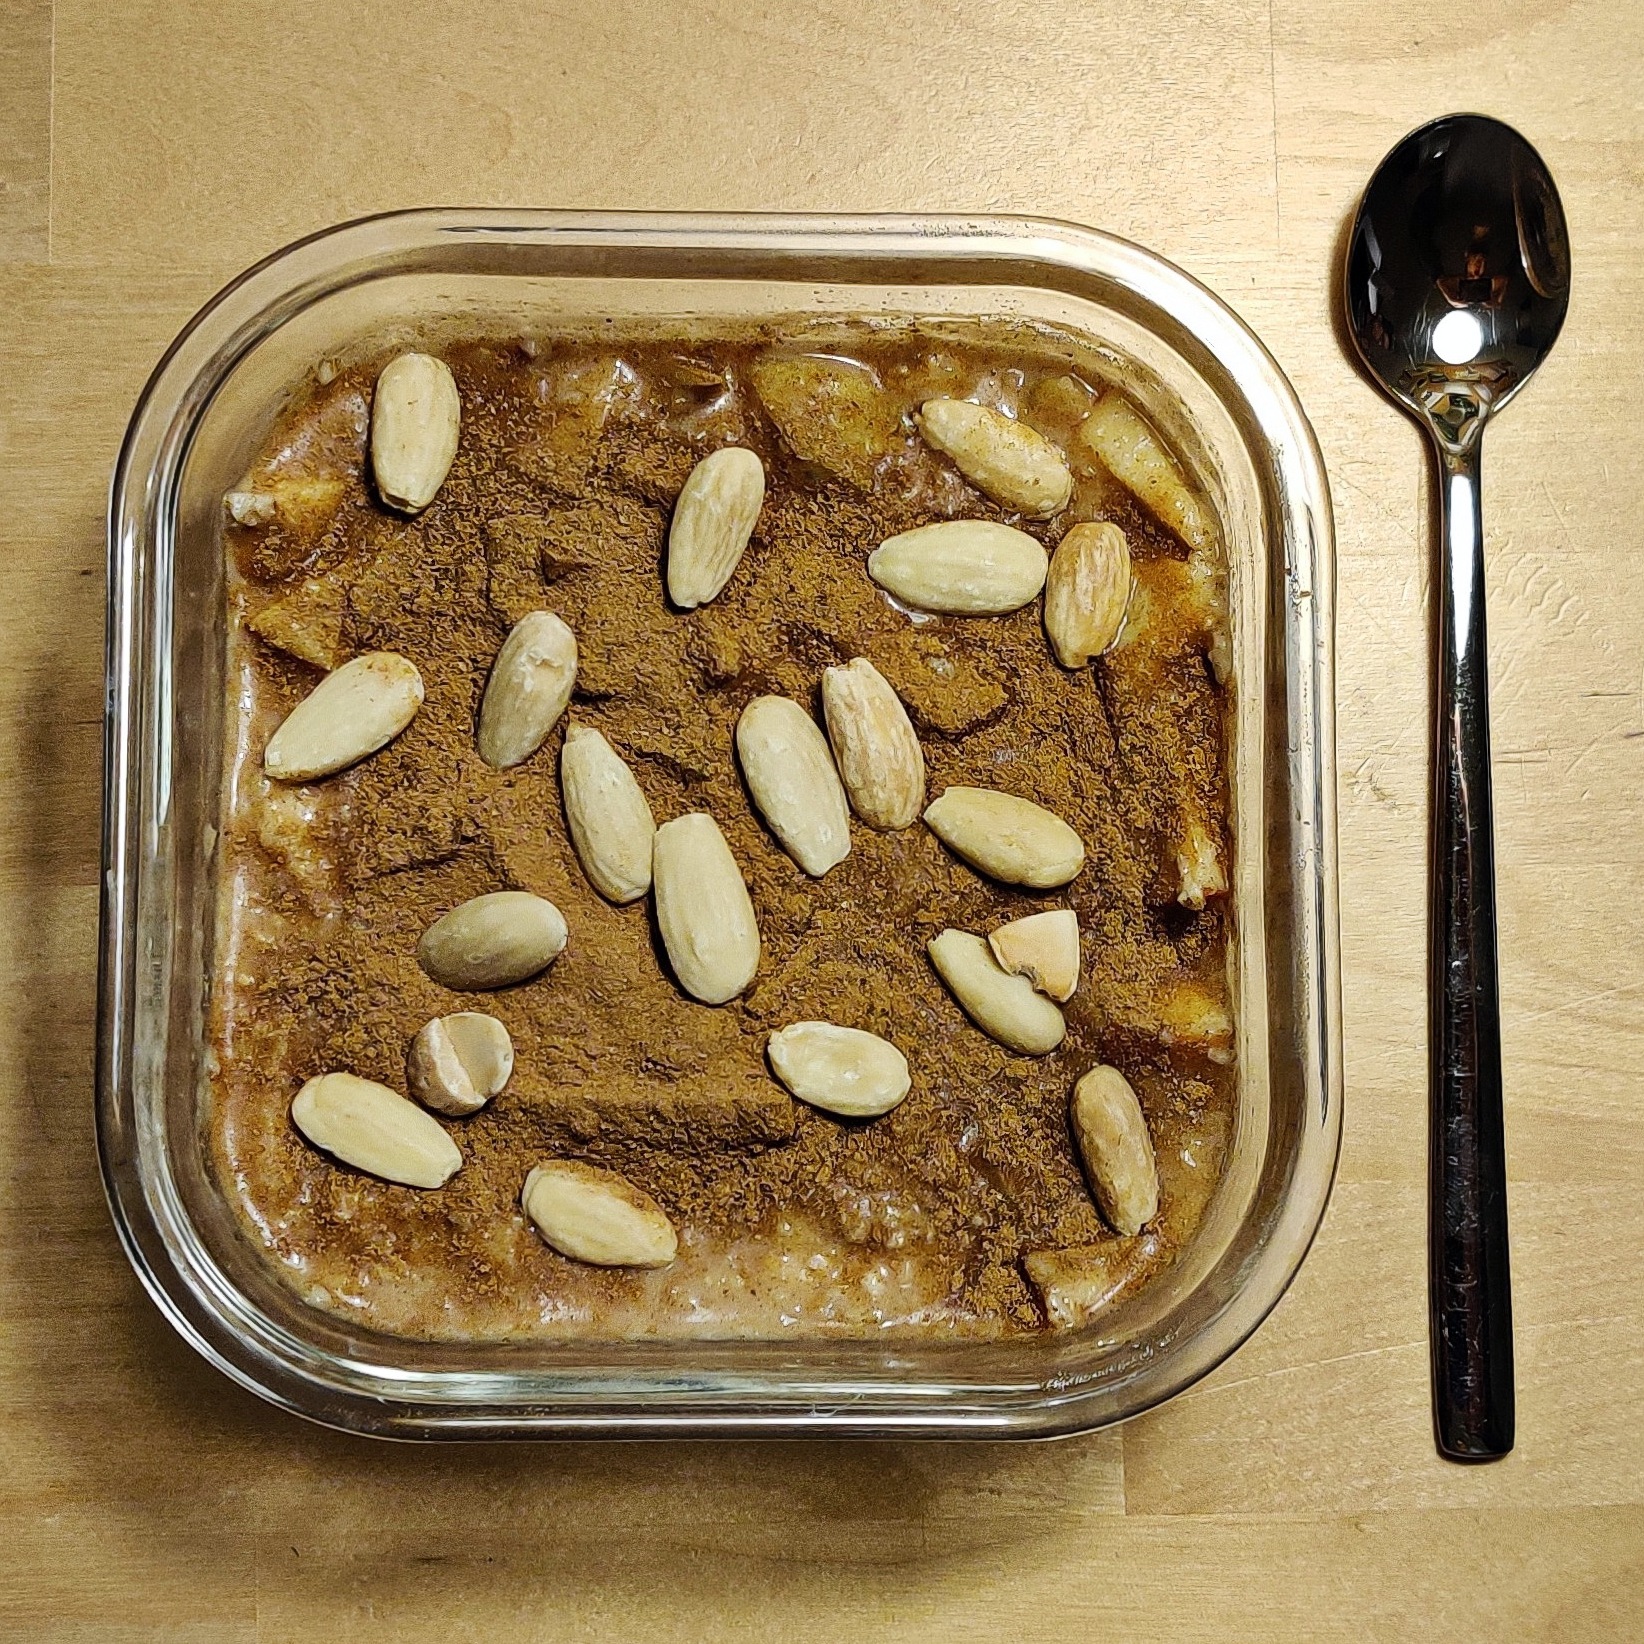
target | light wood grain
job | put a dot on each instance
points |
(1292, 1496)
(25, 131)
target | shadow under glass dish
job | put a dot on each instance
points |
(1219, 400)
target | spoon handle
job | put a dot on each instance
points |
(1469, 1290)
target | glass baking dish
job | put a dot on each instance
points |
(1221, 399)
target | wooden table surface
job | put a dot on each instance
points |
(150, 149)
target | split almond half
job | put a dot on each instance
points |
(1044, 947)
(458, 1063)
(1005, 1007)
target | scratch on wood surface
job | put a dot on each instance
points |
(1553, 1325)
(1208, 1390)
(1558, 514)
(1356, 600)
(1586, 748)
(1339, 476)
(1585, 999)
(1363, 782)
(1541, 593)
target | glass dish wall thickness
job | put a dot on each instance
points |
(1215, 392)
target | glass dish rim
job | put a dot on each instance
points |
(146, 479)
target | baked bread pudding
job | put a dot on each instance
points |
(724, 835)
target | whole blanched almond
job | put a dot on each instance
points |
(791, 776)
(610, 821)
(1012, 463)
(416, 414)
(352, 712)
(703, 909)
(594, 1215)
(1087, 592)
(492, 941)
(1136, 457)
(1116, 1148)
(713, 519)
(1043, 947)
(528, 690)
(458, 1063)
(841, 1070)
(879, 757)
(373, 1128)
(961, 567)
(1006, 837)
(1003, 1006)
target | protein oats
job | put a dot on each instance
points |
(870, 1135)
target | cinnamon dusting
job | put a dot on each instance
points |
(559, 498)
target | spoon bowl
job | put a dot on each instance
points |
(1458, 271)
(1457, 282)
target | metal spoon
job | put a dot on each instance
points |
(1458, 276)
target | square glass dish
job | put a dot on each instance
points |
(1223, 404)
